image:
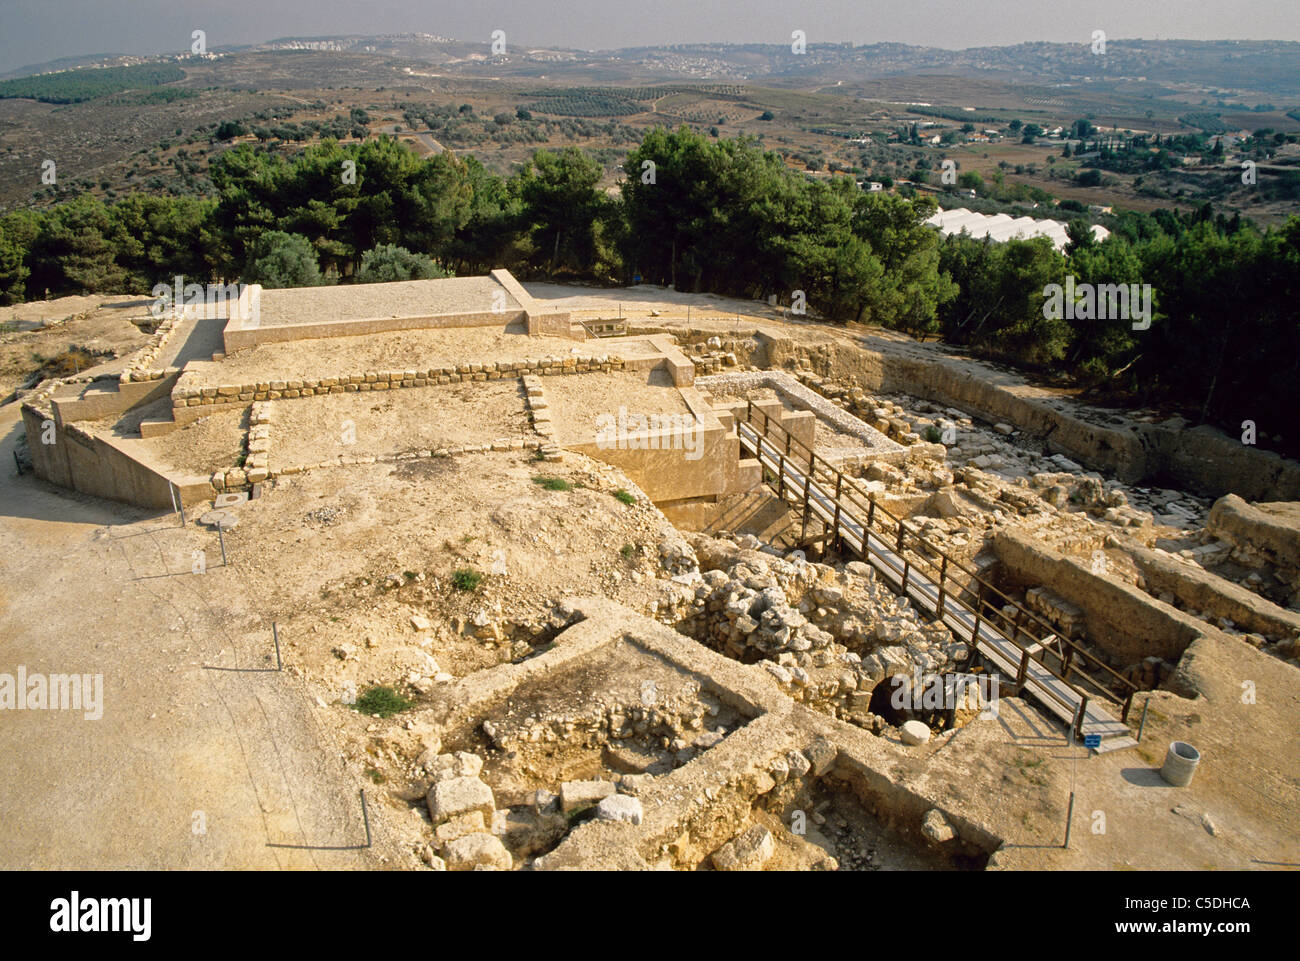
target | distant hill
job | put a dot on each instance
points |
(1232, 68)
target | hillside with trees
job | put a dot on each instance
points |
(712, 214)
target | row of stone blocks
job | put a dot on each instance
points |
(538, 406)
(241, 478)
(387, 380)
(139, 369)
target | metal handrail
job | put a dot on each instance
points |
(850, 494)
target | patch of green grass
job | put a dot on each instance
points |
(552, 483)
(627, 550)
(466, 579)
(375, 776)
(933, 434)
(409, 575)
(625, 496)
(381, 700)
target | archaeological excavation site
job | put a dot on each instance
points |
(468, 574)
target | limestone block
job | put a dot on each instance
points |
(914, 732)
(747, 852)
(821, 755)
(578, 794)
(936, 827)
(459, 826)
(620, 807)
(477, 850)
(447, 766)
(459, 795)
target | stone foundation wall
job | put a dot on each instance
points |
(1122, 620)
(92, 465)
(187, 395)
(1202, 459)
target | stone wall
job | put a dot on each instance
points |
(190, 395)
(1122, 620)
(1202, 459)
(92, 465)
(1270, 530)
(1215, 596)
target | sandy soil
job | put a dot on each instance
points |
(395, 350)
(577, 404)
(48, 328)
(311, 430)
(201, 759)
(209, 444)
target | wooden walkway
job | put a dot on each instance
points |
(878, 537)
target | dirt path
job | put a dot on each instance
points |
(188, 766)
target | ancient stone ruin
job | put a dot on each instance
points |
(722, 594)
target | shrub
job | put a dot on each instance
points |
(466, 579)
(382, 700)
(388, 262)
(283, 260)
(553, 483)
(625, 496)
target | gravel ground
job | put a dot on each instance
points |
(209, 444)
(577, 403)
(396, 350)
(315, 429)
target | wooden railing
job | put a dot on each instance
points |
(877, 523)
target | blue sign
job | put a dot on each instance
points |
(1092, 740)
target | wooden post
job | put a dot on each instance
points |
(943, 572)
(807, 506)
(1079, 716)
(1023, 672)
(975, 631)
(780, 477)
(1065, 665)
(835, 525)
(1015, 637)
(1128, 703)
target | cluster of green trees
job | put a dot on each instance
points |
(1223, 340)
(708, 214)
(462, 127)
(593, 104)
(74, 86)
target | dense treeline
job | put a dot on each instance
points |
(74, 86)
(1222, 339)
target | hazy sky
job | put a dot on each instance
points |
(33, 31)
